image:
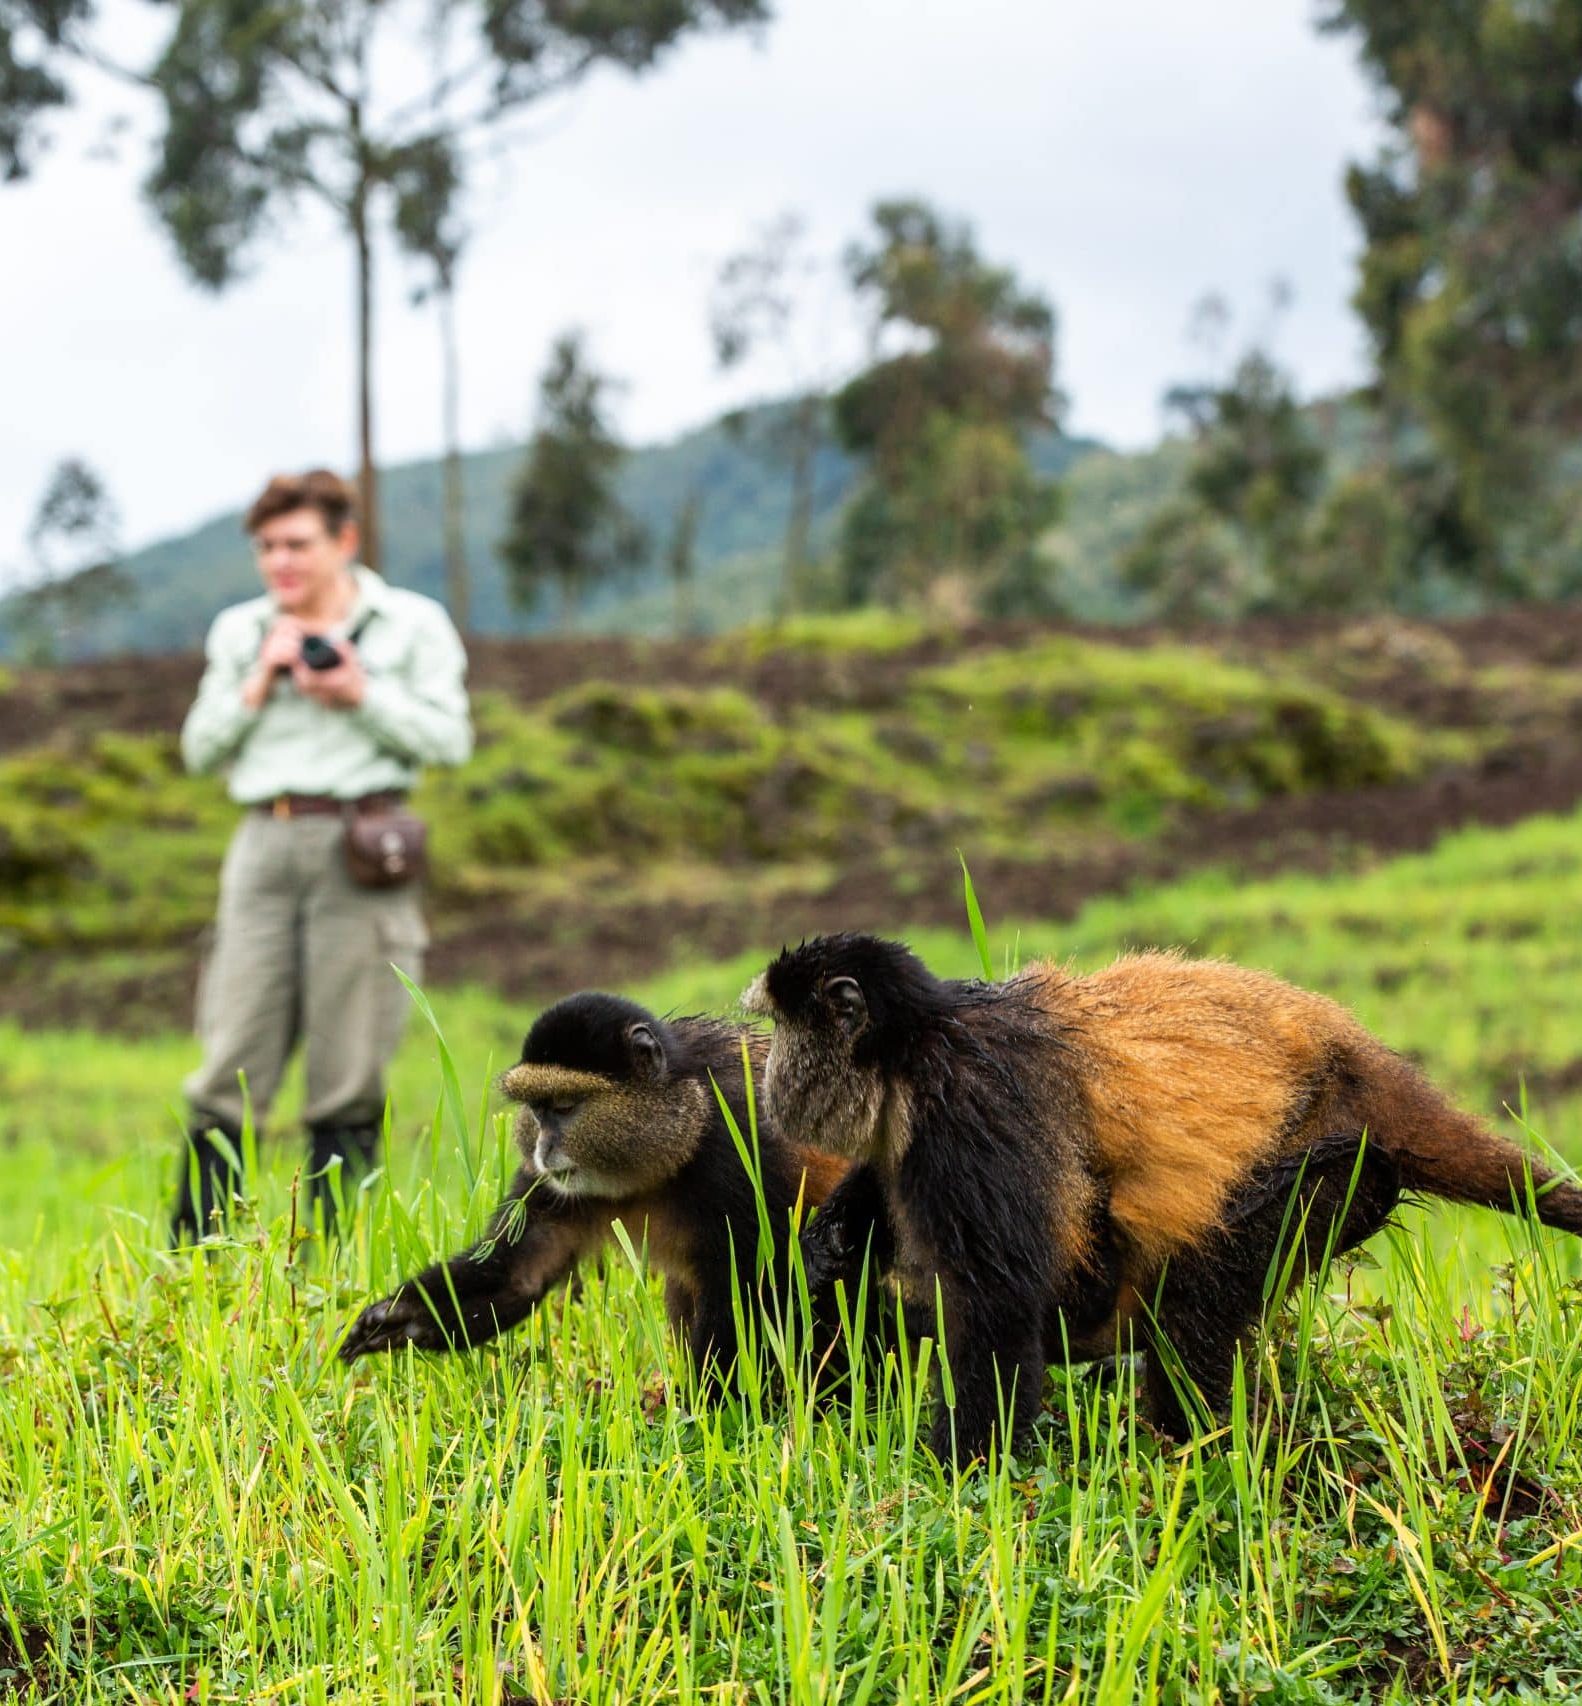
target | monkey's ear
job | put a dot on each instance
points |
(648, 1054)
(844, 996)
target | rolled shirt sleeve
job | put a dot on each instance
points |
(421, 714)
(220, 719)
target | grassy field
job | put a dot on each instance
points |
(198, 1503)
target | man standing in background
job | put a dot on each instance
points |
(324, 697)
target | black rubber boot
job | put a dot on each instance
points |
(217, 1182)
(355, 1147)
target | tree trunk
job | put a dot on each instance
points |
(804, 442)
(457, 587)
(684, 606)
(368, 475)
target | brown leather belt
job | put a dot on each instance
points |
(323, 805)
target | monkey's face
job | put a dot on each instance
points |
(595, 1134)
(823, 1083)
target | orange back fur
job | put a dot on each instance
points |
(1191, 1069)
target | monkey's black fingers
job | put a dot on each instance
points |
(387, 1325)
(828, 1251)
(368, 1333)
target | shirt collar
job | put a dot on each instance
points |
(372, 590)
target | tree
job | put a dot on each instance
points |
(949, 490)
(762, 302)
(267, 104)
(1185, 567)
(75, 524)
(567, 527)
(34, 38)
(73, 542)
(681, 558)
(1359, 550)
(1257, 464)
(1471, 278)
(1237, 534)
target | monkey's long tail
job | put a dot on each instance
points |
(1443, 1152)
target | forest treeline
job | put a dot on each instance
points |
(934, 476)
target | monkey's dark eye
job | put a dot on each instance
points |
(558, 1106)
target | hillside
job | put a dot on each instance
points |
(633, 801)
(181, 582)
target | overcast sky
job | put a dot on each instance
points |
(1125, 156)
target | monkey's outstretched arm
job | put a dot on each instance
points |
(530, 1247)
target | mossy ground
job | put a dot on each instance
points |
(848, 759)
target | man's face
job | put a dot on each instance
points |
(301, 560)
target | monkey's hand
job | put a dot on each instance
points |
(403, 1318)
(853, 1223)
(826, 1251)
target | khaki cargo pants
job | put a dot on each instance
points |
(301, 953)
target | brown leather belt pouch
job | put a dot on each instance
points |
(386, 844)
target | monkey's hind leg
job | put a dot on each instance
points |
(997, 1370)
(1280, 1229)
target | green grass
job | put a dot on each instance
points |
(197, 1501)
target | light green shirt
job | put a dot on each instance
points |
(414, 708)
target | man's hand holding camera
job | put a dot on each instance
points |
(338, 685)
(326, 670)
(280, 651)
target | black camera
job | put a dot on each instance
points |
(318, 653)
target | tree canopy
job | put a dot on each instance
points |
(33, 37)
(73, 540)
(568, 529)
(950, 491)
(1471, 283)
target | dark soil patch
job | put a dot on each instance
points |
(62, 992)
(135, 695)
(21, 1662)
(1408, 1662)
(1547, 1086)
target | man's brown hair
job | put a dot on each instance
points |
(318, 489)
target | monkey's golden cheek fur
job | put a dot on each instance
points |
(819, 1100)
